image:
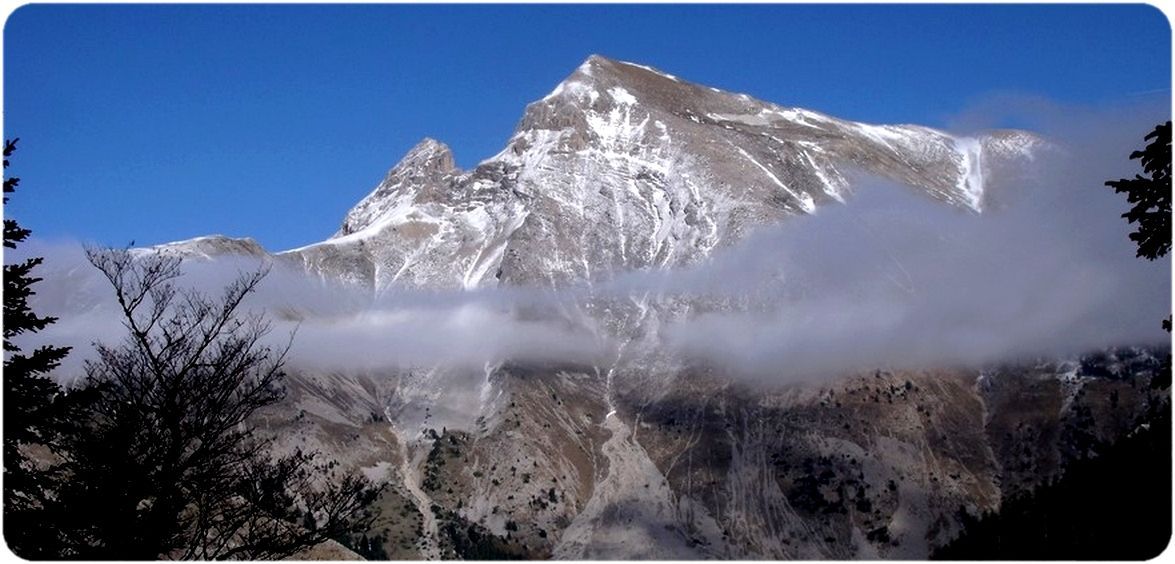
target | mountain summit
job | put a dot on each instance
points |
(623, 166)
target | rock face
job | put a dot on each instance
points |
(562, 462)
(624, 167)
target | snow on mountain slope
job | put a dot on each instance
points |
(622, 166)
(209, 247)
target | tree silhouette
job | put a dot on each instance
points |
(32, 415)
(1151, 195)
(167, 462)
(1152, 207)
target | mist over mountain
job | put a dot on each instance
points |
(672, 321)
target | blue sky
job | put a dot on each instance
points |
(159, 123)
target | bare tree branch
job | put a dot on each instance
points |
(169, 464)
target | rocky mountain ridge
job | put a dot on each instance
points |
(646, 455)
(625, 167)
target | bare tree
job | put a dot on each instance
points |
(168, 464)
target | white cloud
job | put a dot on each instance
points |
(890, 279)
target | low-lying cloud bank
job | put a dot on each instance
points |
(895, 280)
(891, 279)
(334, 326)
(901, 282)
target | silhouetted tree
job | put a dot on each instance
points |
(169, 464)
(31, 408)
(1152, 207)
(1151, 195)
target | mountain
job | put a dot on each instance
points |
(624, 167)
(647, 455)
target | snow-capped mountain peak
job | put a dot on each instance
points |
(623, 166)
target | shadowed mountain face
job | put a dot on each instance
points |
(648, 455)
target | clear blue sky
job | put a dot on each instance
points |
(159, 123)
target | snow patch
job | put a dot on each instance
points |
(622, 96)
(970, 181)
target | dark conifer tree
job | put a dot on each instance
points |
(31, 408)
(1150, 194)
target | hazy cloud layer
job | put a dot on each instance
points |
(335, 327)
(894, 279)
(891, 279)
